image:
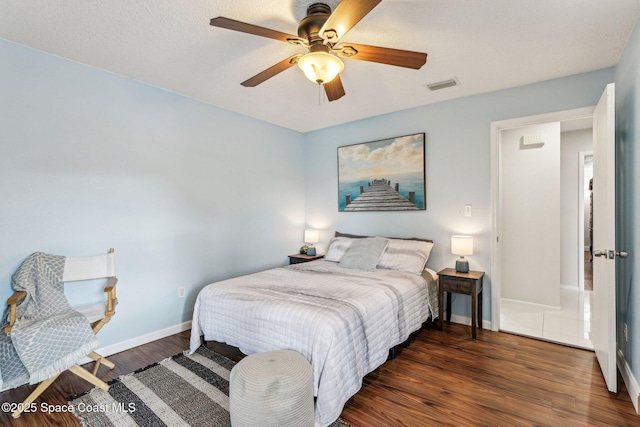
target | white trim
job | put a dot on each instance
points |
(581, 248)
(572, 288)
(496, 127)
(558, 116)
(629, 381)
(137, 341)
(495, 247)
(580, 241)
(543, 306)
(464, 320)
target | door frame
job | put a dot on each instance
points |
(496, 127)
(581, 201)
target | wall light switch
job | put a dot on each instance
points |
(467, 210)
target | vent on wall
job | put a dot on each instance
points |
(533, 139)
(442, 85)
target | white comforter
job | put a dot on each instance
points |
(343, 321)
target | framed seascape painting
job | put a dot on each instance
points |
(385, 175)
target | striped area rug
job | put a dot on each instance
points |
(179, 391)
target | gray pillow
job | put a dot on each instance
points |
(337, 248)
(364, 254)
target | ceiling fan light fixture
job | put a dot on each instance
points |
(320, 67)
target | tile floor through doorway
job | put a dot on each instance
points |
(570, 324)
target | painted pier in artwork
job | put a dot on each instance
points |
(380, 196)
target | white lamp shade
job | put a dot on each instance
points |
(311, 236)
(320, 67)
(462, 245)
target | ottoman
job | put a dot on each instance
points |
(274, 388)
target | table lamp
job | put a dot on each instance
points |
(310, 237)
(462, 245)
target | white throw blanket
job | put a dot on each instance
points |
(48, 336)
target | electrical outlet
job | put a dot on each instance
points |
(625, 331)
(181, 292)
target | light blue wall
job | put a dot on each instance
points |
(458, 167)
(627, 79)
(91, 160)
(185, 192)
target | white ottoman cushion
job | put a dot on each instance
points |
(273, 388)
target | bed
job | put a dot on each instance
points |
(343, 318)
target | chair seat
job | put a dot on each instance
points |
(93, 312)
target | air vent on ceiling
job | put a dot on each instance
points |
(442, 85)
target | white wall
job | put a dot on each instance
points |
(530, 215)
(571, 144)
(186, 193)
(458, 167)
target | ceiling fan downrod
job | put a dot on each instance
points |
(310, 26)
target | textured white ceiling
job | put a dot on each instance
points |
(486, 45)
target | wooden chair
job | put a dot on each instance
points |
(98, 315)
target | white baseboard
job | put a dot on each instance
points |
(463, 320)
(543, 306)
(143, 339)
(629, 381)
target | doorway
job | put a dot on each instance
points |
(546, 184)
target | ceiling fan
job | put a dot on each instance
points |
(320, 32)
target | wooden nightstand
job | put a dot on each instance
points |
(462, 283)
(299, 258)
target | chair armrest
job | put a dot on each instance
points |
(110, 289)
(111, 284)
(17, 296)
(12, 302)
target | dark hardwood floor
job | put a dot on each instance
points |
(445, 378)
(69, 384)
(442, 378)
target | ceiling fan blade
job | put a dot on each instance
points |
(347, 14)
(271, 71)
(243, 27)
(383, 55)
(334, 89)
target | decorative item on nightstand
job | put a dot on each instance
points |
(311, 236)
(462, 245)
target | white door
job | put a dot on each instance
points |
(603, 304)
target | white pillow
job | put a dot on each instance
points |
(337, 248)
(432, 273)
(406, 255)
